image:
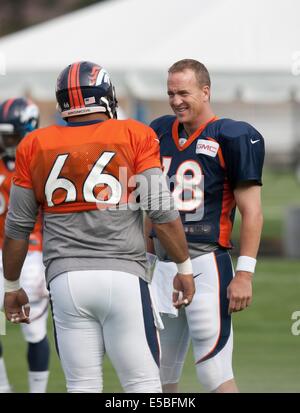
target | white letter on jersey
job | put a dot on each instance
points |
(96, 177)
(53, 182)
(185, 184)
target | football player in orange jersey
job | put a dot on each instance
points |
(18, 117)
(92, 179)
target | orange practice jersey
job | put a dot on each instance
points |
(85, 166)
(6, 175)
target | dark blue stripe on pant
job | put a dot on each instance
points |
(225, 276)
(54, 328)
(150, 328)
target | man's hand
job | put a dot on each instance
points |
(183, 283)
(16, 306)
(239, 291)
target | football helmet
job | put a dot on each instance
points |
(18, 117)
(83, 88)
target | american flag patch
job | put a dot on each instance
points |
(90, 101)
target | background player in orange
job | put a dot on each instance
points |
(92, 178)
(18, 117)
(213, 165)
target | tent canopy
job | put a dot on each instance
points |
(249, 46)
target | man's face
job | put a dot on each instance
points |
(186, 97)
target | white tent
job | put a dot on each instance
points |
(115, 33)
(239, 41)
(251, 48)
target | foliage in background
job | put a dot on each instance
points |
(19, 14)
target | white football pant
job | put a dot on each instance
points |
(205, 321)
(105, 311)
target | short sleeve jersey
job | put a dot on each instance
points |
(205, 168)
(7, 168)
(82, 166)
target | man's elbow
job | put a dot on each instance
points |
(17, 232)
(162, 217)
(254, 215)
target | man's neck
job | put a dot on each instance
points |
(190, 128)
(88, 117)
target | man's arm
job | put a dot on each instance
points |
(19, 223)
(147, 232)
(15, 299)
(248, 200)
(172, 237)
(159, 205)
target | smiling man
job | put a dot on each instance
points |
(213, 165)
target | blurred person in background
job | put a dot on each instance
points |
(18, 117)
(213, 165)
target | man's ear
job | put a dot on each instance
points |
(206, 93)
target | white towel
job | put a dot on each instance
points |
(162, 287)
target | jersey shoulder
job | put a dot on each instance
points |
(40, 133)
(163, 125)
(229, 130)
(31, 138)
(131, 126)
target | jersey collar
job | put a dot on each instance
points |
(175, 133)
(85, 123)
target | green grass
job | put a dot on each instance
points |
(266, 354)
(280, 190)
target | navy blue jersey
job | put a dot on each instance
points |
(204, 169)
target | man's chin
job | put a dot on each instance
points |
(182, 117)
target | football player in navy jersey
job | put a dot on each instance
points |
(213, 165)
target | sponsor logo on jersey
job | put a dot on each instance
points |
(206, 147)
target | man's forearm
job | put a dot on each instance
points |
(147, 231)
(13, 256)
(250, 233)
(172, 237)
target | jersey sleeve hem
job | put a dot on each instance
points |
(150, 165)
(21, 184)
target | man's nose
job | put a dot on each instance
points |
(176, 100)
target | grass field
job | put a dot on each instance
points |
(266, 357)
(280, 190)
